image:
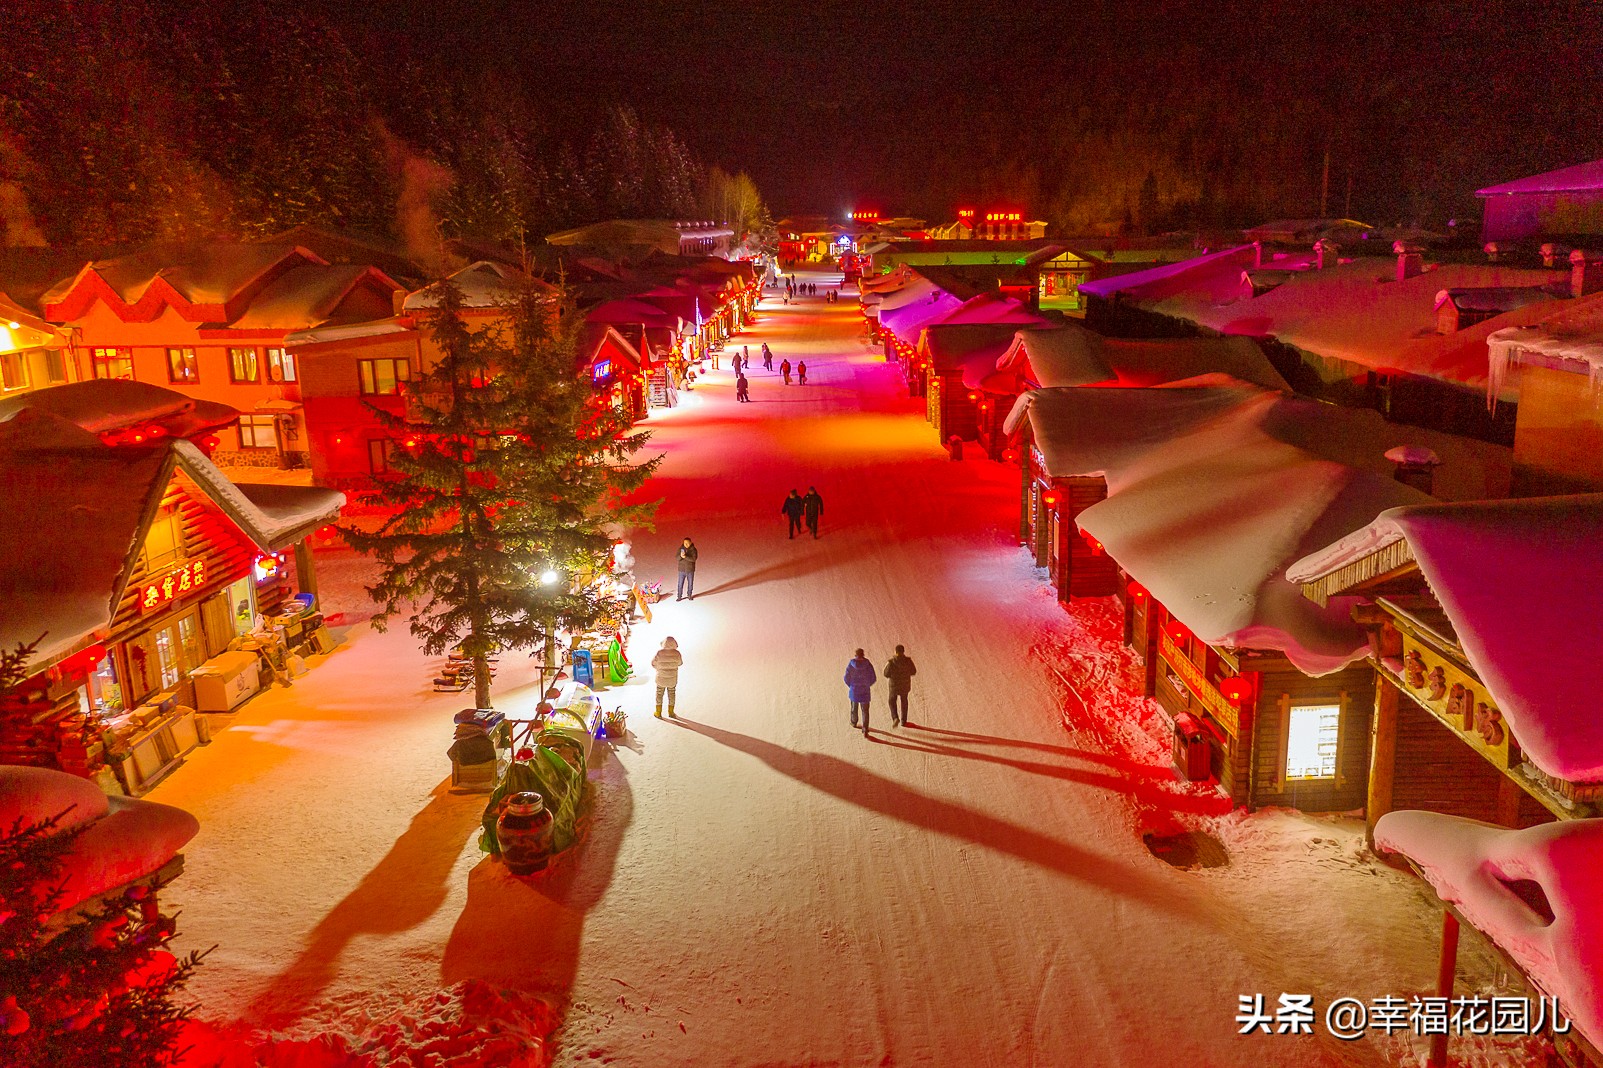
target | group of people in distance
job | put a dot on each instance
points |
(742, 362)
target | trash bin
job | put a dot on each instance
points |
(584, 669)
(1192, 756)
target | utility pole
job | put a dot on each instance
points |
(1324, 188)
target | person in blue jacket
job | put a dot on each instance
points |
(860, 679)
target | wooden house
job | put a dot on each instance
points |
(167, 562)
(1486, 651)
(1188, 503)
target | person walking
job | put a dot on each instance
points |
(792, 509)
(801, 372)
(736, 364)
(768, 357)
(687, 570)
(741, 388)
(666, 664)
(860, 679)
(812, 509)
(899, 673)
(784, 371)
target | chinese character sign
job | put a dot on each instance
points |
(156, 593)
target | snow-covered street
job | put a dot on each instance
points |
(762, 885)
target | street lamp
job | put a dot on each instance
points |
(548, 577)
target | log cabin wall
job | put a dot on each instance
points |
(1353, 689)
(1437, 772)
(1090, 574)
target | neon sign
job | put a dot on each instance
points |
(602, 369)
(156, 594)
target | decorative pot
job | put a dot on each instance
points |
(524, 830)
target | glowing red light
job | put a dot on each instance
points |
(1049, 499)
(338, 440)
(410, 443)
(973, 397)
(138, 438)
(1136, 591)
(1235, 689)
(1096, 546)
(211, 441)
(1176, 631)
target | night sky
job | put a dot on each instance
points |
(831, 103)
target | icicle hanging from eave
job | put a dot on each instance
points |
(1499, 354)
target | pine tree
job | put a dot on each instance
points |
(509, 471)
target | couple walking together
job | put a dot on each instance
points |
(798, 508)
(860, 679)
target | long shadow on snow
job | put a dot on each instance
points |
(788, 569)
(1142, 790)
(862, 787)
(1116, 762)
(402, 891)
(525, 934)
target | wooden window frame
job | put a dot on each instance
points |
(103, 358)
(367, 375)
(281, 366)
(257, 424)
(190, 362)
(234, 355)
(1336, 778)
(14, 362)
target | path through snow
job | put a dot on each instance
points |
(762, 886)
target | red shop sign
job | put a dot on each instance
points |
(181, 581)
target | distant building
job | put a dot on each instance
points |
(1561, 203)
(674, 238)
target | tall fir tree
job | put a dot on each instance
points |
(510, 470)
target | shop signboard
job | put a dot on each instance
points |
(1456, 698)
(1212, 700)
(174, 585)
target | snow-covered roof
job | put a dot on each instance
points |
(373, 328)
(484, 284)
(209, 282)
(1207, 505)
(1583, 177)
(1071, 355)
(1522, 582)
(1571, 333)
(1475, 866)
(908, 311)
(975, 348)
(65, 487)
(1356, 311)
(309, 296)
(273, 516)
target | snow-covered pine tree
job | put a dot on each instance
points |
(509, 467)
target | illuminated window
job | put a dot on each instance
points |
(13, 370)
(383, 376)
(256, 432)
(243, 366)
(113, 363)
(164, 542)
(280, 365)
(182, 366)
(1312, 732)
(55, 365)
(167, 654)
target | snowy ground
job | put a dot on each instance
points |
(762, 885)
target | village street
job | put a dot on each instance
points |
(761, 885)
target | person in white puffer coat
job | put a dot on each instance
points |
(667, 663)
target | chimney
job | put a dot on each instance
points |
(1410, 259)
(1586, 272)
(1325, 253)
(1416, 466)
(1552, 253)
(1260, 255)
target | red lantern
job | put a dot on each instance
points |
(1095, 546)
(1137, 592)
(1177, 631)
(1235, 689)
(973, 397)
(1049, 498)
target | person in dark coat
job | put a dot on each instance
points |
(792, 509)
(859, 679)
(812, 509)
(687, 570)
(741, 386)
(801, 373)
(899, 673)
(768, 357)
(784, 371)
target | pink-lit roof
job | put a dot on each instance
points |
(1583, 177)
